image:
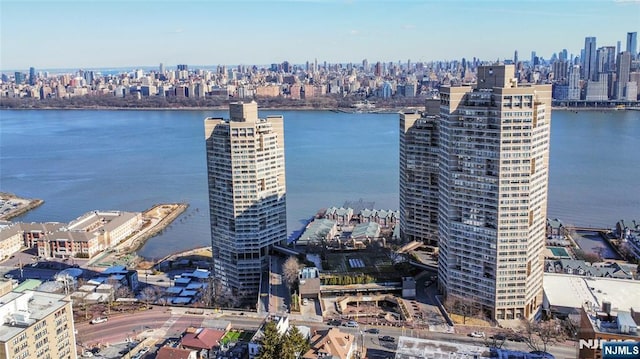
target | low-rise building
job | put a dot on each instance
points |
(319, 231)
(11, 240)
(89, 234)
(34, 230)
(340, 215)
(556, 229)
(331, 343)
(603, 324)
(176, 353)
(565, 295)
(204, 340)
(365, 231)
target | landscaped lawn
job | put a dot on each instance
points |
(237, 336)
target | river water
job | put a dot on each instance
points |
(82, 160)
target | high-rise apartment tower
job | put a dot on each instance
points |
(493, 142)
(246, 171)
(419, 175)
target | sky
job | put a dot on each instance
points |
(118, 33)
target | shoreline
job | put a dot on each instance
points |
(384, 110)
(156, 229)
(26, 205)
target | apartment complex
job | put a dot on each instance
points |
(419, 176)
(11, 240)
(481, 168)
(36, 325)
(89, 234)
(246, 171)
(494, 148)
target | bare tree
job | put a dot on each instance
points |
(290, 270)
(464, 307)
(541, 335)
(497, 340)
(150, 295)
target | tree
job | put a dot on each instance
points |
(497, 340)
(294, 345)
(271, 343)
(150, 295)
(290, 271)
(464, 307)
(540, 335)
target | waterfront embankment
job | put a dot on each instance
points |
(156, 219)
(12, 206)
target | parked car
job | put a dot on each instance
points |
(515, 337)
(334, 322)
(98, 320)
(477, 334)
(305, 301)
(373, 331)
(351, 324)
(499, 337)
(387, 338)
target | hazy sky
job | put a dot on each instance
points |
(85, 34)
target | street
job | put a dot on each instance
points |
(165, 322)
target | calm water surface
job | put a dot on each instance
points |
(82, 160)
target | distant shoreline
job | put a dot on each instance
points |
(341, 110)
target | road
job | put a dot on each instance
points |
(165, 322)
(278, 292)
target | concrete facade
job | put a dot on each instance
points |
(36, 325)
(418, 177)
(247, 204)
(494, 158)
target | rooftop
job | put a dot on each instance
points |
(573, 291)
(330, 342)
(416, 348)
(202, 338)
(25, 309)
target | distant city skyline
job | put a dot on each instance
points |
(100, 34)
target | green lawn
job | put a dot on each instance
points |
(237, 336)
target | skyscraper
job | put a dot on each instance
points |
(632, 44)
(622, 75)
(419, 175)
(246, 171)
(589, 65)
(606, 59)
(492, 202)
(32, 76)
